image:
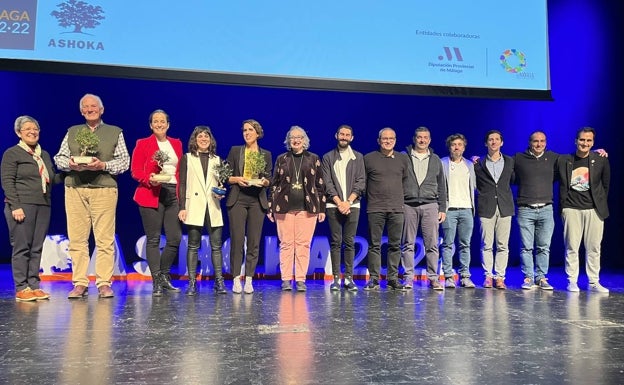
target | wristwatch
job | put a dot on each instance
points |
(350, 202)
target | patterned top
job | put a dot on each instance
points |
(312, 183)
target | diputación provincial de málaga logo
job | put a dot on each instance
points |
(513, 55)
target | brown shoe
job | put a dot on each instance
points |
(78, 291)
(500, 283)
(487, 284)
(435, 285)
(40, 294)
(105, 291)
(25, 295)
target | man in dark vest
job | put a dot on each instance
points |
(91, 196)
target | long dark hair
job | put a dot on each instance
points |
(194, 149)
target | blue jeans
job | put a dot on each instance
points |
(536, 227)
(458, 222)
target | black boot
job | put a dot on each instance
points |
(219, 286)
(157, 290)
(165, 280)
(191, 290)
(191, 263)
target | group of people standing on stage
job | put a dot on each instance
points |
(405, 191)
(442, 192)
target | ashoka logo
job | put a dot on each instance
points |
(513, 61)
(78, 15)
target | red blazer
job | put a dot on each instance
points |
(142, 166)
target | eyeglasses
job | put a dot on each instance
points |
(30, 129)
(386, 139)
(298, 137)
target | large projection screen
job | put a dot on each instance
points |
(453, 47)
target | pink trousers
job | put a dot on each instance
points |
(295, 230)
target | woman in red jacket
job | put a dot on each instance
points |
(155, 166)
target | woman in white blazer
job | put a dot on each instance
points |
(199, 206)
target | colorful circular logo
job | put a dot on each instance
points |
(513, 55)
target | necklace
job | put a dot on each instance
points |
(296, 185)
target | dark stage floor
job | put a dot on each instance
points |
(460, 336)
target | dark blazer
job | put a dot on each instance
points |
(313, 184)
(236, 159)
(599, 180)
(142, 165)
(356, 176)
(492, 194)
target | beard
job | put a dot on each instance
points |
(343, 144)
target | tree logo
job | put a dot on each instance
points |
(78, 15)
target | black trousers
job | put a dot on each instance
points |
(246, 216)
(194, 242)
(27, 239)
(343, 229)
(154, 219)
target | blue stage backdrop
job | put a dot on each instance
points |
(585, 37)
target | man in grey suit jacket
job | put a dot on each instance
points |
(584, 179)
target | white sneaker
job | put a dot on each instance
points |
(598, 288)
(248, 286)
(237, 287)
(573, 287)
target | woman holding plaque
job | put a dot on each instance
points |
(200, 206)
(247, 202)
(296, 203)
(154, 165)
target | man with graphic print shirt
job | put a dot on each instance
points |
(583, 189)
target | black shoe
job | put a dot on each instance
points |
(219, 286)
(157, 286)
(191, 290)
(165, 281)
(335, 286)
(372, 284)
(349, 284)
(394, 284)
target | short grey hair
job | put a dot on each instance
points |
(21, 120)
(306, 139)
(386, 129)
(97, 98)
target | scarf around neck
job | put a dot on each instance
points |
(43, 171)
